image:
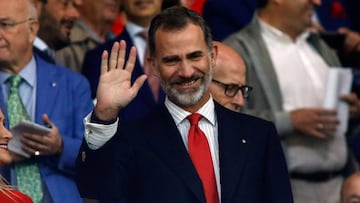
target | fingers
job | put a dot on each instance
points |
(104, 62)
(121, 54)
(117, 58)
(114, 54)
(131, 60)
(32, 143)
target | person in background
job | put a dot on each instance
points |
(288, 66)
(90, 30)
(227, 17)
(56, 19)
(8, 193)
(167, 156)
(350, 191)
(46, 94)
(228, 85)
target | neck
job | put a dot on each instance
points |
(279, 22)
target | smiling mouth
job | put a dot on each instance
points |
(4, 146)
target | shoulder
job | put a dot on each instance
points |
(52, 70)
(241, 120)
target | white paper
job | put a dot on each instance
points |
(338, 83)
(21, 128)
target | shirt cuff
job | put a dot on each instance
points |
(96, 135)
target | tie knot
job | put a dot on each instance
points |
(144, 34)
(194, 118)
(15, 81)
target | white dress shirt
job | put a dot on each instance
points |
(299, 67)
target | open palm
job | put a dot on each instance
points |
(115, 90)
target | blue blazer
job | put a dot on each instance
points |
(144, 101)
(65, 97)
(151, 164)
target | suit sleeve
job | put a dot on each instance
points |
(278, 188)
(72, 128)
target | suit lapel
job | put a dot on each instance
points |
(47, 89)
(233, 152)
(168, 145)
(263, 65)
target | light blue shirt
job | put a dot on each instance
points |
(27, 87)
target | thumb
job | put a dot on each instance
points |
(139, 83)
(47, 121)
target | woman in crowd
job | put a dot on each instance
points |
(8, 194)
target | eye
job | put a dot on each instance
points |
(6, 25)
(195, 56)
(170, 61)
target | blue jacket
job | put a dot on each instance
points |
(65, 97)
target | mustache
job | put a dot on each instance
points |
(183, 80)
(67, 22)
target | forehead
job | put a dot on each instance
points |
(12, 9)
(230, 68)
(180, 42)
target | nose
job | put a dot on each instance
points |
(5, 133)
(238, 99)
(185, 69)
(72, 11)
(316, 2)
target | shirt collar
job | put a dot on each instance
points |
(28, 73)
(277, 34)
(133, 29)
(40, 44)
(179, 114)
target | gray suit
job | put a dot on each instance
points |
(304, 154)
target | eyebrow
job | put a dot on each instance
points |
(175, 58)
(194, 54)
(5, 19)
(168, 59)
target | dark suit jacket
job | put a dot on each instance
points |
(65, 97)
(226, 17)
(151, 164)
(144, 101)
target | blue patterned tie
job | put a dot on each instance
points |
(27, 172)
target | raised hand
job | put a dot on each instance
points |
(115, 90)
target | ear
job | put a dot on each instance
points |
(154, 67)
(33, 29)
(214, 52)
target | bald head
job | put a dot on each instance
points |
(229, 69)
(350, 191)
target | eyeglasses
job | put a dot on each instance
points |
(231, 89)
(7, 25)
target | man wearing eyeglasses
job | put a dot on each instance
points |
(228, 84)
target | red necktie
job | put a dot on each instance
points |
(201, 157)
(153, 80)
